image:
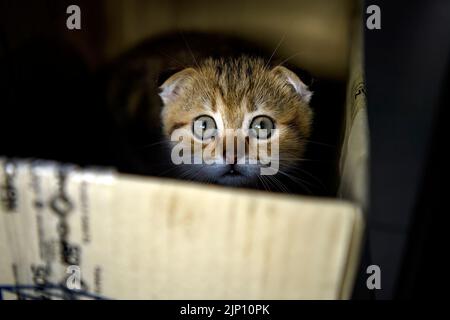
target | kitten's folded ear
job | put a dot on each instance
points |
(172, 87)
(292, 79)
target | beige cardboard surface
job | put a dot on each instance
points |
(155, 239)
(354, 160)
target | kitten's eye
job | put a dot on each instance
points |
(204, 127)
(261, 127)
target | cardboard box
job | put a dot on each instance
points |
(109, 235)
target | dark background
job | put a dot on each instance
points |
(407, 77)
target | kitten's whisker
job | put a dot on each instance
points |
(319, 143)
(189, 49)
(321, 184)
(299, 159)
(192, 174)
(312, 141)
(291, 57)
(197, 175)
(262, 182)
(276, 49)
(187, 171)
(269, 183)
(278, 184)
(298, 181)
(161, 174)
(154, 144)
(173, 59)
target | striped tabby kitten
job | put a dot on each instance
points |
(233, 98)
(206, 87)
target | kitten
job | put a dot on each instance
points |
(238, 95)
(194, 82)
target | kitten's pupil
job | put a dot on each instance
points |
(203, 127)
(263, 123)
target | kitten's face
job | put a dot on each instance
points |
(235, 118)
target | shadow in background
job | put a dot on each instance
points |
(49, 105)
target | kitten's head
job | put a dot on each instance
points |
(221, 115)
